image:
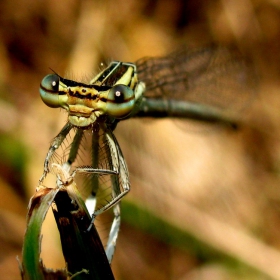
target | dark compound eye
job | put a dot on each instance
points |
(50, 83)
(120, 101)
(121, 93)
(49, 91)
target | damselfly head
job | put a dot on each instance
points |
(112, 92)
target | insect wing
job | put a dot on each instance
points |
(219, 77)
(95, 158)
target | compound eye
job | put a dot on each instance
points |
(49, 90)
(120, 93)
(120, 102)
(50, 83)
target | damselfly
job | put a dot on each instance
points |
(200, 84)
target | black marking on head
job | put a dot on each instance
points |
(77, 94)
(70, 83)
(103, 99)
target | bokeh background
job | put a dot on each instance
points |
(204, 204)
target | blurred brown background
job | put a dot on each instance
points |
(217, 192)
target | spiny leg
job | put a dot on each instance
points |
(119, 185)
(111, 203)
(115, 227)
(53, 147)
(119, 182)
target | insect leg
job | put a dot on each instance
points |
(53, 147)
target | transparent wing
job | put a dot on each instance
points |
(219, 77)
(96, 154)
